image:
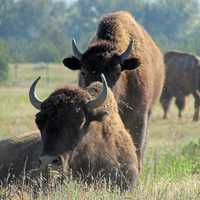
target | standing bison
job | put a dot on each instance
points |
(133, 66)
(82, 131)
(182, 79)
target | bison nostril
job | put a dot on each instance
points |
(57, 162)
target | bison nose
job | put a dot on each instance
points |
(48, 161)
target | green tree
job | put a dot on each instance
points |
(169, 21)
(32, 27)
(45, 52)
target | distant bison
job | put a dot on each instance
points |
(182, 79)
(133, 66)
(19, 155)
(82, 132)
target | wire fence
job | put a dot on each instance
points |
(24, 74)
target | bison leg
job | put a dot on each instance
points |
(139, 135)
(196, 107)
(165, 103)
(180, 103)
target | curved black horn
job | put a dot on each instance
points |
(75, 49)
(101, 98)
(35, 101)
(126, 53)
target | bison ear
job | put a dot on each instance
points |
(130, 63)
(72, 63)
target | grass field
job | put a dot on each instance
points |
(172, 160)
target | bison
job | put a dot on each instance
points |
(133, 66)
(19, 155)
(82, 132)
(182, 79)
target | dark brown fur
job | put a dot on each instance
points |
(19, 155)
(182, 79)
(135, 90)
(92, 144)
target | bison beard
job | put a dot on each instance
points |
(133, 66)
(85, 137)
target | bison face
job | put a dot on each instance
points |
(60, 128)
(63, 119)
(101, 58)
(94, 65)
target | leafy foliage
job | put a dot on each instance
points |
(32, 27)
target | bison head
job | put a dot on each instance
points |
(63, 119)
(101, 57)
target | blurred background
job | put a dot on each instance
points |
(41, 30)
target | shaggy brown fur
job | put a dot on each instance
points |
(182, 79)
(135, 90)
(19, 155)
(92, 144)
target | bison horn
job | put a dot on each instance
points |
(126, 53)
(101, 98)
(35, 101)
(75, 49)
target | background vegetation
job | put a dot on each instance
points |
(41, 30)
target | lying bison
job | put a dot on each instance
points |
(182, 79)
(133, 66)
(19, 155)
(82, 132)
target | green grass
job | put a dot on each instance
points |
(172, 159)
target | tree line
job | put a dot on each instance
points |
(41, 30)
